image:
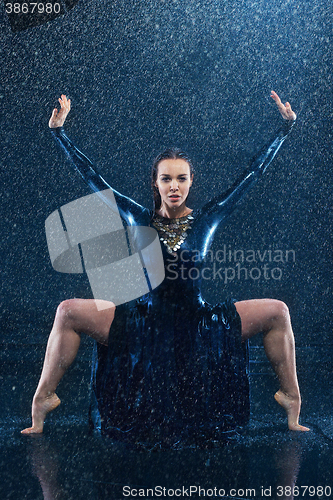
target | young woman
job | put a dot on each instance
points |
(169, 367)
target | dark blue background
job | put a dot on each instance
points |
(144, 75)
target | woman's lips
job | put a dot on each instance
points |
(174, 197)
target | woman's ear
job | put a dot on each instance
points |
(191, 180)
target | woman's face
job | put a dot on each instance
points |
(173, 181)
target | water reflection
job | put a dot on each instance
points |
(94, 468)
(288, 462)
(45, 466)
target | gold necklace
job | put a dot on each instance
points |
(172, 232)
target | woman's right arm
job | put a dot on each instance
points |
(222, 205)
(128, 209)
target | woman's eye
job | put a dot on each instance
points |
(167, 179)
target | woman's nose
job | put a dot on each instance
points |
(174, 186)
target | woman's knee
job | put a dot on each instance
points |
(280, 311)
(262, 315)
(89, 316)
(67, 310)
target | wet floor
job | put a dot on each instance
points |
(265, 460)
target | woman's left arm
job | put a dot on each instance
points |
(222, 205)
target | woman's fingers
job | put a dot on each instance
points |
(65, 105)
(285, 109)
(290, 113)
(275, 97)
(277, 100)
(58, 117)
(289, 110)
(64, 102)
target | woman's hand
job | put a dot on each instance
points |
(285, 109)
(58, 117)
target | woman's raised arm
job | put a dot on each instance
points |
(223, 204)
(128, 209)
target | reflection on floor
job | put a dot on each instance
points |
(265, 460)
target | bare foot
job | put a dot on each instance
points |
(40, 408)
(292, 407)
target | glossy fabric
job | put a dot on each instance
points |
(175, 370)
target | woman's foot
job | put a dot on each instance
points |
(292, 405)
(40, 408)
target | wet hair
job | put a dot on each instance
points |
(168, 154)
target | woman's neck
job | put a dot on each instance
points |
(173, 213)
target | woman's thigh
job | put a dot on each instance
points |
(260, 315)
(89, 316)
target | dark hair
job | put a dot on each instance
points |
(168, 154)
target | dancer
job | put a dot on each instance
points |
(171, 368)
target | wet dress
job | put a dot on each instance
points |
(175, 370)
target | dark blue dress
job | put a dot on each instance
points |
(175, 369)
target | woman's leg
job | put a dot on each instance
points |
(271, 317)
(73, 317)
